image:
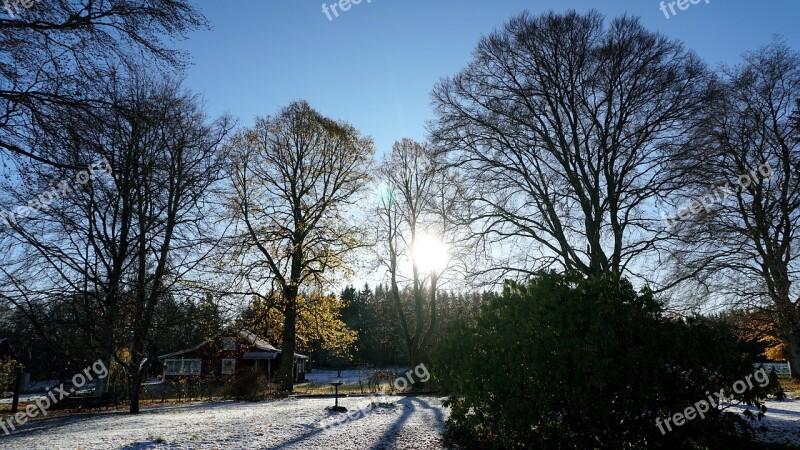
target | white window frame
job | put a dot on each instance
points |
(229, 343)
(232, 366)
(188, 367)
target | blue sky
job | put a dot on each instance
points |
(374, 65)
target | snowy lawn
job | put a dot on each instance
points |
(354, 381)
(348, 376)
(296, 423)
(782, 422)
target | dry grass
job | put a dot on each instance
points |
(790, 386)
(122, 406)
(326, 389)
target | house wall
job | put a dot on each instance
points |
(213, 353)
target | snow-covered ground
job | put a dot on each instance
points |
(348, 376)
(38, 389)
(24, 398)
(30, 398)
(291, 424)
(782, 422)
(781, 368)
(296, 423)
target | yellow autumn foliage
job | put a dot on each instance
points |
(319, 321)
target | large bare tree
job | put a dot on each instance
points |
(742, 249)
(117, 244)
(296, 176)
(409, 181)
(564, 127)
(53, 53)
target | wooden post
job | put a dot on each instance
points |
(17, 387)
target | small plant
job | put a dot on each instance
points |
(378, 378)
(386, 405)
(8, 372)
(252, 387)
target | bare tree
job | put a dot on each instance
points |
(295, 175)
(740, 247)
(53, 53)
(129, 236)
(563, 129)
(413, 203)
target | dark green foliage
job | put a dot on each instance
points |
(67, 349)
(374, 317)
(570, 363)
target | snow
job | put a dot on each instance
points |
(348, 376)
(782, 422)
(38, 389)
(780, 368)
(295, 423)
(298, 423)
(30, 398)
(24, 398)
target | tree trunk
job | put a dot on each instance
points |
(425, 347)
(134, 386)
(107, 350)
(17, 388)
(135, 368)
(793, 350)
(286, 373)
(415, 357)
(101, 387)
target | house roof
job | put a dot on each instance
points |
(187, 350)
(260, 355)
(256, 341)
(252, 338)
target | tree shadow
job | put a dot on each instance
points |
(316, 429)
(51, 424)
(387, 439)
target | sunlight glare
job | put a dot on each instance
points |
(430, 253)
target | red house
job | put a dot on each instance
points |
(228, 353)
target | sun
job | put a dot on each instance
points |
(430, 253)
